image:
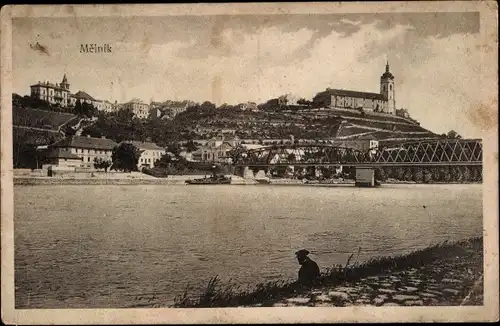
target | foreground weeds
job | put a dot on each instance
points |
(265, 294)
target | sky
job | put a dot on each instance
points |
(237, 58)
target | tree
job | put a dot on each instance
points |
(191, 146)
(327, 172)
(125, 157)
(78, 110)
(207, 106)
(164, 162)
(100, 163)
(380, 174)
(84, 109)
(174, 148)
(452, 134)
(28, 157)
(236, 152)
(417, 174)
(408, 175)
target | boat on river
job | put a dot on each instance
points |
(212, 180)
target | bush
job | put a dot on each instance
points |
(427, 176)
(407, 175)
(417, 174)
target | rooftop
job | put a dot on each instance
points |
(49, 85)
(86, 142)
(144, 145)
(368, 95)
(61, 153)
(83, 95)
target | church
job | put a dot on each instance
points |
(383, 102)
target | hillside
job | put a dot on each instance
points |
(39, 127)
(40, 119)
(305, 124)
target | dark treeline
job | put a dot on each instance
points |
(432, 174)
(444, 174)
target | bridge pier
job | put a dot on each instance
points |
(365, 177)
(248, 173)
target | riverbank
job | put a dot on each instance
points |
(448, 274)
(181, 179)
(124, 180)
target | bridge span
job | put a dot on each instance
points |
(461, 153)
(446, 152)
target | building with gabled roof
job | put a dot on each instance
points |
(384, 102)
(52, 93)
(87, 148)
(217, 149)
(60, 94)
(62, 157)
(150, 153)
(138, 107)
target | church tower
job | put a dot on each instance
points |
(387, 89)
(64, 83)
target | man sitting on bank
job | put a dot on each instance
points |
(309, 271)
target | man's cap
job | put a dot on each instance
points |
(302, 253)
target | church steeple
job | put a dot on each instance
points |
(387, 89)
(64, 83)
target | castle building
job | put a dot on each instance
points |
(60, 94)
(383, 102)
(52, 93)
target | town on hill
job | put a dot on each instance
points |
(191, 134)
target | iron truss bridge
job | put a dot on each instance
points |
(445, 152)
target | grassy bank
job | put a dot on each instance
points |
(445, 255)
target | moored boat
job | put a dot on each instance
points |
(212, 180)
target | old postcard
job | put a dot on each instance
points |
(236, 163)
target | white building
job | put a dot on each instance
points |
(138, 107)
(216, 149)
(86, 148)
(52, 93)
(150, 153)
(60, 94)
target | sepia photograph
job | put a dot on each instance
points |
(265, 157)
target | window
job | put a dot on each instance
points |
(390, 87)
(88, 159)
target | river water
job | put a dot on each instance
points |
(132, 246)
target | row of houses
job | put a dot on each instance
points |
(60, 94)
(217, 149)
(81, 152)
